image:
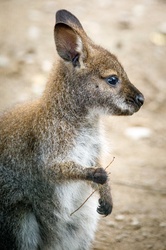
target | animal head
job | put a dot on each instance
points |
(95, 78)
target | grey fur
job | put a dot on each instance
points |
(50, 148)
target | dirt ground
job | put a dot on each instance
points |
(136, 32)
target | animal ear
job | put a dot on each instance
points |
(68, 39)
(64, 16)
(68, 43)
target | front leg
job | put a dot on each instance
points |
(72, 171)
(105, 201)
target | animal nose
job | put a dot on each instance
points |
(139, 99)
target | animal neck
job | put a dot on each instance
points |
(62, 102)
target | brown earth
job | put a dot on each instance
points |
(136, 32)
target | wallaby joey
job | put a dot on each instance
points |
(50, 147)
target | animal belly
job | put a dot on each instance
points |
(75, 231)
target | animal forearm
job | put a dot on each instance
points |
(105, 201)
(73, 171)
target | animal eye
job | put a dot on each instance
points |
(112, 80)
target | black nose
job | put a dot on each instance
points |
(139, 100)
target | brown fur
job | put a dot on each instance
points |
(54, 141)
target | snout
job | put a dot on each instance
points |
(130, 100)
(139, 99)
(135, 101)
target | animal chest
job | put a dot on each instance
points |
(86, 149)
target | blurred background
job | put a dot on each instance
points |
(136, 32)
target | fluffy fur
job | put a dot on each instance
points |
(50, 148)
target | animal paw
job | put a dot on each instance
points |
(99, 176)
(105, 207)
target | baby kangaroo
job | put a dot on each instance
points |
(50, 148)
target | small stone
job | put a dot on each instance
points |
(111, 223)
(119, 217)
(120, 237)
(33, 33)
(125, 20)
(158, 39)
(46, 66)
(137, 133)
(135, 223)
(145, 234)
(124, 23)
(29, 59)
(163, 224)
(4, 61)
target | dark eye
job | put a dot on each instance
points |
(112, 80)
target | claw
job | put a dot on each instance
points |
(105, 208)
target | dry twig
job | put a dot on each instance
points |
(92, 192)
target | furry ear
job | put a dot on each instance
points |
(68, 43)
(68, 34)
(64, 16)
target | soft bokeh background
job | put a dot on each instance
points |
(136, 32)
